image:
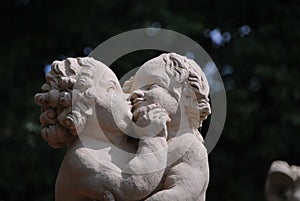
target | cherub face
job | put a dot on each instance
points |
(150, 85)
(100, 93)
(110, 95)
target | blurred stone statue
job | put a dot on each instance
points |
(143, 144)
(283, 182)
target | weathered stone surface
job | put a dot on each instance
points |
(179, 86)
(141, 143)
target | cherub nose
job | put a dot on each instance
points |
(137, 94)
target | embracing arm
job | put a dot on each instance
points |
(188, 178)
(151, 155)
(144, 172)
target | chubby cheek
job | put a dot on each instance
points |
(104, 99)
(165, 99)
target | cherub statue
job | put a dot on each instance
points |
(283, 182)
(84, 109)
(180, 87)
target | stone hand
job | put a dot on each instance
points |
(153, 115)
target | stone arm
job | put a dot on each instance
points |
(152, 151)
(187, 179)
(182, 182)
(145, 170)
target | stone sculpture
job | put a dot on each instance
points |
(80, 176)
(283, 182)
(178, 85)
(84, 109)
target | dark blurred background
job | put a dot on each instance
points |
(255, 45)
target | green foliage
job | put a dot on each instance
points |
(263, 92)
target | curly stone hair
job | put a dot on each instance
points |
(66, 100)
(188, 73)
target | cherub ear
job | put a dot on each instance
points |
(280, 181)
